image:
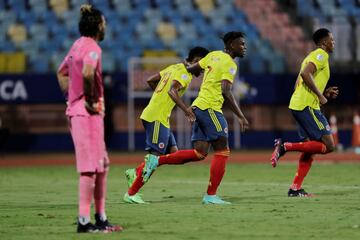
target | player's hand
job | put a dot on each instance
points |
(331, 92)
(190, 115)
(244, 124)
(322, 100)
(95, 107)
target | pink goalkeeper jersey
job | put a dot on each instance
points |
(85, 50)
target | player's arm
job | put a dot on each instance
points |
(194, 69)
(230, 99)
(308, 76)
(153, 81)
(92, 105)
(174, 95)
(63, 77)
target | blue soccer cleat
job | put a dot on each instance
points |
(214, 199)
(151, 163)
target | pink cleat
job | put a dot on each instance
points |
(278, 152)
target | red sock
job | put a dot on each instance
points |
(303, 169)
(181, 157)
(138, 183)
(310, 147)
(217, 170)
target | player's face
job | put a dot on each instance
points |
(330, 42)
(102, 28)
(239, 47)
(195, 60)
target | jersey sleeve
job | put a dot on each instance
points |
(319, 59)
(229, 71)
(63, 68)
(182, 78)
(92, 57)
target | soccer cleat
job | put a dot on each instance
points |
(88, 228)
(151, 163)
(279, 151)
(130, 175)
(298, 193)
(133, 199)
(106, 226)
(213, 199)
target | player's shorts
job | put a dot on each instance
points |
(88, 136)
(158, 137)
(312, 123)
(209, 125)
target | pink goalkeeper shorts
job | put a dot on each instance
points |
(88, 136)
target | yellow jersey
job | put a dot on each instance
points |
(161, 105)
(218, 66)
(303, 97)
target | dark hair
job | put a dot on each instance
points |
(231, 36)
(319, 35)
(197, 52)
(89, 20)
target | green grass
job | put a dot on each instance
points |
(41, 203)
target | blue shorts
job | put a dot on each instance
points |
(209, 125)
(312, 123)
(158, 137)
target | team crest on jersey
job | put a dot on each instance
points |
(320, 57)
(328, 128)
(232, 71)
(94, 55)
(161, 145)
(226, 130)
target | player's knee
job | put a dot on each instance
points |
(201, 153)
(223, 152)
(330, 147)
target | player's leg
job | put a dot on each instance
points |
(315, 126)
(100, 164)
(157, 138)
(304, 166)
(86, 191)
(217, 171)
(214, 126)
(305, 163)
(180, 156)
(100, 190)
(80, 128)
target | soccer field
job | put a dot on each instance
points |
(41, 203)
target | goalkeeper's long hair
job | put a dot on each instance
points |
(90, 20)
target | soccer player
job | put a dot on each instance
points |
(79, 77)
(210, 127)
(168, 85)
(308, 96)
